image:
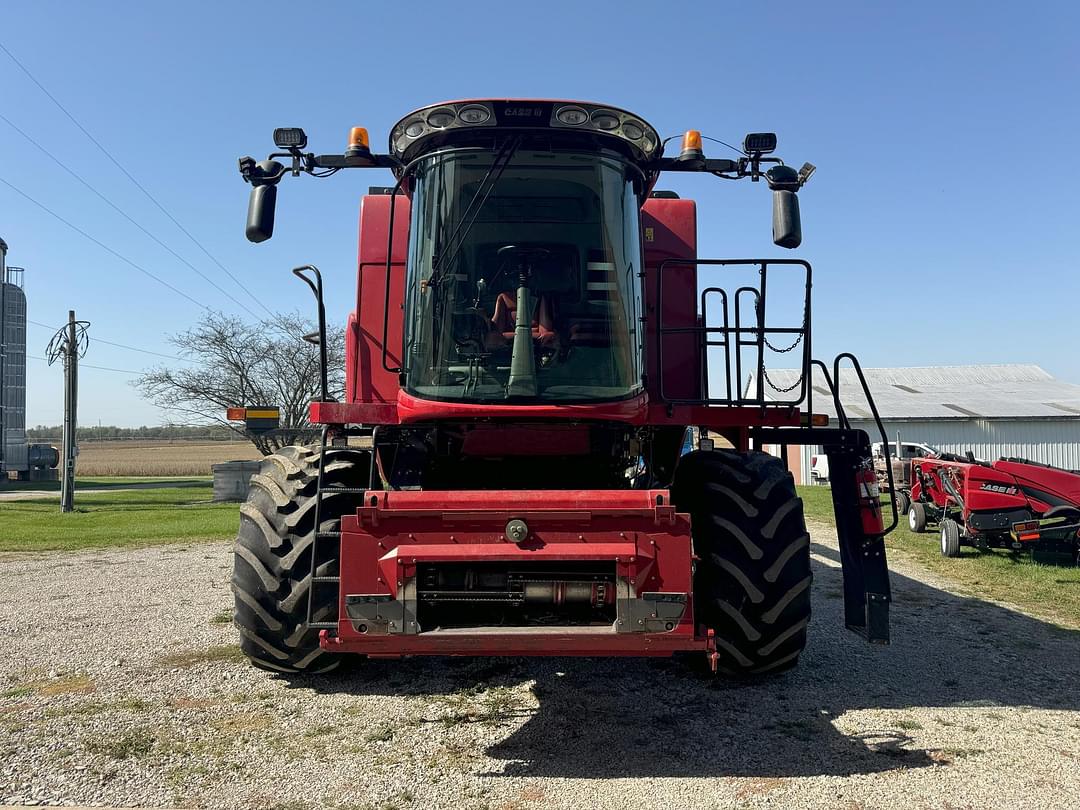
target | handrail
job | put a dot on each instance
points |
(877, 421)
(317, 290)
(740, 293)
(743, 335)
(841, 416)
(389, 271)
(706, 343)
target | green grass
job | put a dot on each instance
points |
(112, 519)
(135, 743)
(1048, 590)
(193, 658)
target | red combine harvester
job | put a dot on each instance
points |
(1012, 503)
(533, 337)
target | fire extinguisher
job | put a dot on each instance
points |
(869, 496)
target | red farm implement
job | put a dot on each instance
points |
(1012, 503)
(533, 338)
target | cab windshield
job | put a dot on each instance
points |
(522, 277)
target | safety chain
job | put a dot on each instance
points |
(776, 388)
(792, 347)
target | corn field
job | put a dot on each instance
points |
(158, 457)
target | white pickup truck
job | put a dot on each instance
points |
(819, 462)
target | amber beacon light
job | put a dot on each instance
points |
(358, 143)
(691, 147)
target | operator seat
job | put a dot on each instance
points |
(505, 318)
(592, 326)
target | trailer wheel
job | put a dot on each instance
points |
(903, 502)
(950, 538)
(272, 556)
(752, 582)
(916, 517)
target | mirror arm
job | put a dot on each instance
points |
(709, 165)
(342, 162)
(259, 175)
(729, 169)
(267, 173)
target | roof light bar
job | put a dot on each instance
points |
(410, 135)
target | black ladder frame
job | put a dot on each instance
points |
(311, 276)
(867, 592)
(329, 433)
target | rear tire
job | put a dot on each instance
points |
(903, 502)
(917, 517)
(950, 538)
(752, 581)
(272, 556)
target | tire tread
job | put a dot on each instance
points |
(272, 555)
(752, 582)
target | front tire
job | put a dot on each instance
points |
(917, 518)
(752, 581)
(272, 556)
(950, 538)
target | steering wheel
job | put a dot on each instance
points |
(475, 341)
(525, 252)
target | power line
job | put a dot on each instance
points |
(144, 351)
(106, 368)
(129, 176)
(118, 345)
(102, 245)
(122, 213)
(87, 365)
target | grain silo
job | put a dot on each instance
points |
(29, 462)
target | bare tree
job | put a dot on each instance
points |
(235, 363)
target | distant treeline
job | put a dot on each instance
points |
(105, 432)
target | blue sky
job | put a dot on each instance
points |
(942, 222)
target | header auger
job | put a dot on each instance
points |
(534, 336)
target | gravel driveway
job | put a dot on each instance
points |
(122, 685)
(42, 494)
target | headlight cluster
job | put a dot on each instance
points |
(411, 132)
(605, 119)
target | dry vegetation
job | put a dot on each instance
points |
(158, 457)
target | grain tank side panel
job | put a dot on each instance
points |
(669, 231)
(366, 380)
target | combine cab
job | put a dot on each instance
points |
(1013, 504)
(534, 339)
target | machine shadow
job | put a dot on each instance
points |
(601, 718)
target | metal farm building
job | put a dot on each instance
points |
(993, 411)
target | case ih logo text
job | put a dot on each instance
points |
(1003, 489)
(524, 112)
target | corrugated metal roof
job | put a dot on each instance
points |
(944, 392)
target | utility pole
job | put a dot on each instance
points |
(70, 344)
(71, 404)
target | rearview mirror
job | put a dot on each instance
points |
(260, 218)
(264, 178)
(786, 222)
